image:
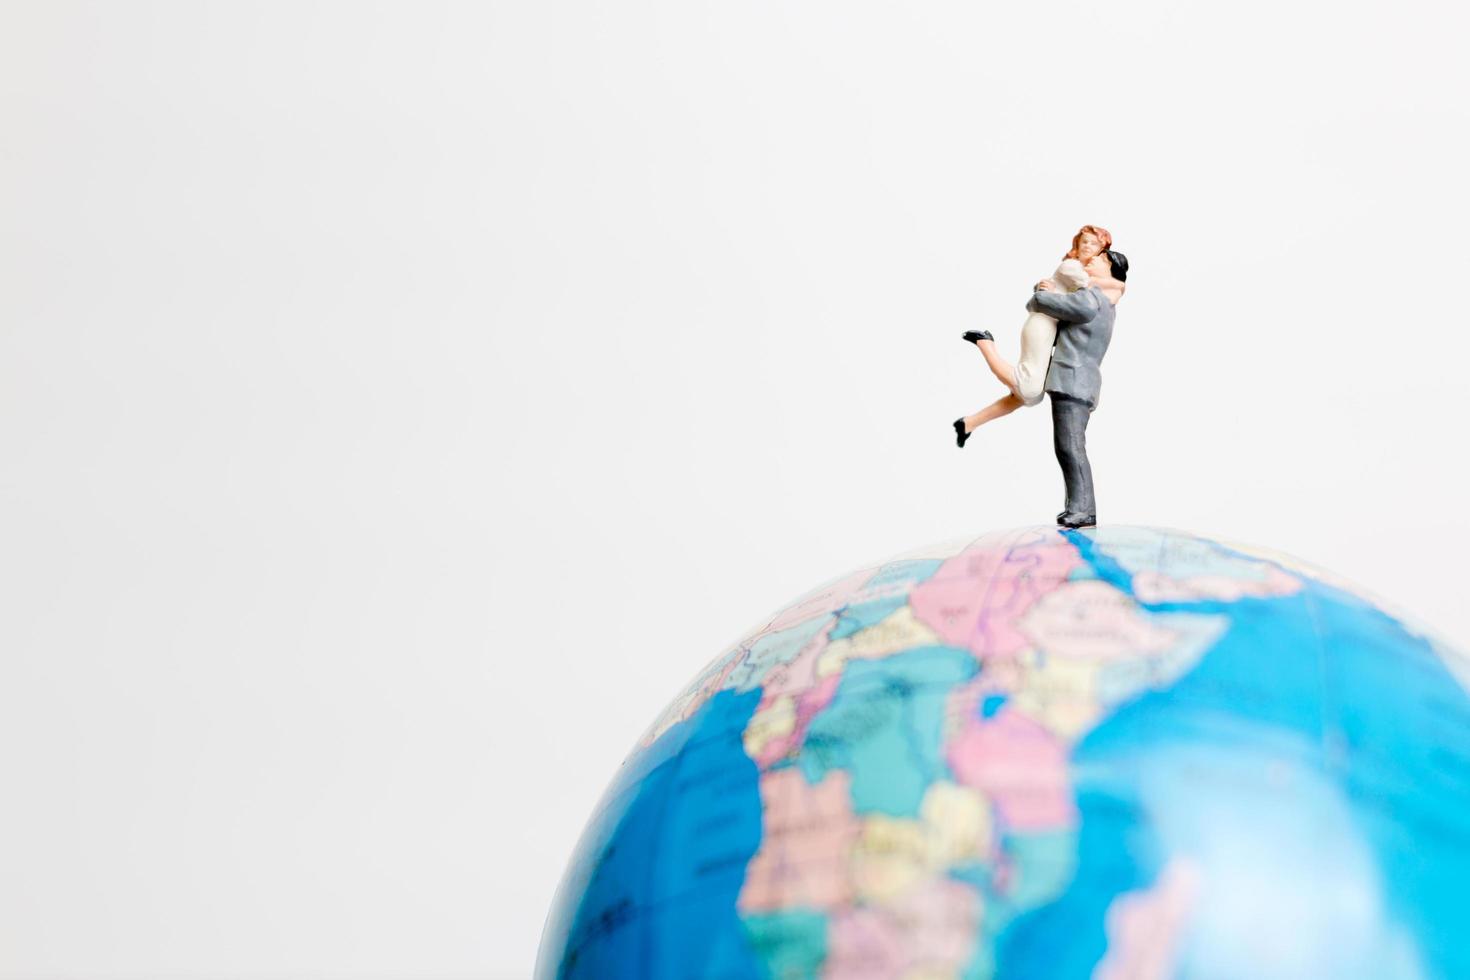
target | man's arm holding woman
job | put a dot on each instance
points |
(1076, 307)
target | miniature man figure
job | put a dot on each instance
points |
(1083, 312)
(1084, 327)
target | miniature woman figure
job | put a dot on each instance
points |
(1090, 262)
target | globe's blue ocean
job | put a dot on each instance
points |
(1369, 716)
(684, 821)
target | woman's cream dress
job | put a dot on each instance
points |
(1039, 335)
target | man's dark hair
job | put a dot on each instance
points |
(1120, 265)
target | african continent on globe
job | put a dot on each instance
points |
(1114, 753)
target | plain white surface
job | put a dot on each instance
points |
(399, 403)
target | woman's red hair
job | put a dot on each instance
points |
(1105, 236)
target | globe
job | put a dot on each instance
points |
(1115, 753)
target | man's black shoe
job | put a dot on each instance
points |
(1077, 520)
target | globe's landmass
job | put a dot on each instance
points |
(1117, 753)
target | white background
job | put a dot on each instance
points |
(399, 403)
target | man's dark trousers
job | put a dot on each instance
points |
(1069, 418)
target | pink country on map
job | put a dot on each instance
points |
(809, 832)
(929, 932)
(1020, 766)
(975, 599)
(1145, 927)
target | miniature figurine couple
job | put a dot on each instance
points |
(1063, 341)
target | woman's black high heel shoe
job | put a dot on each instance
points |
(960, 435)
(972, 336)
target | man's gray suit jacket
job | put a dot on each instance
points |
(1084, 329)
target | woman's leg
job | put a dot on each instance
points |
(996, 409)
(998, 365)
